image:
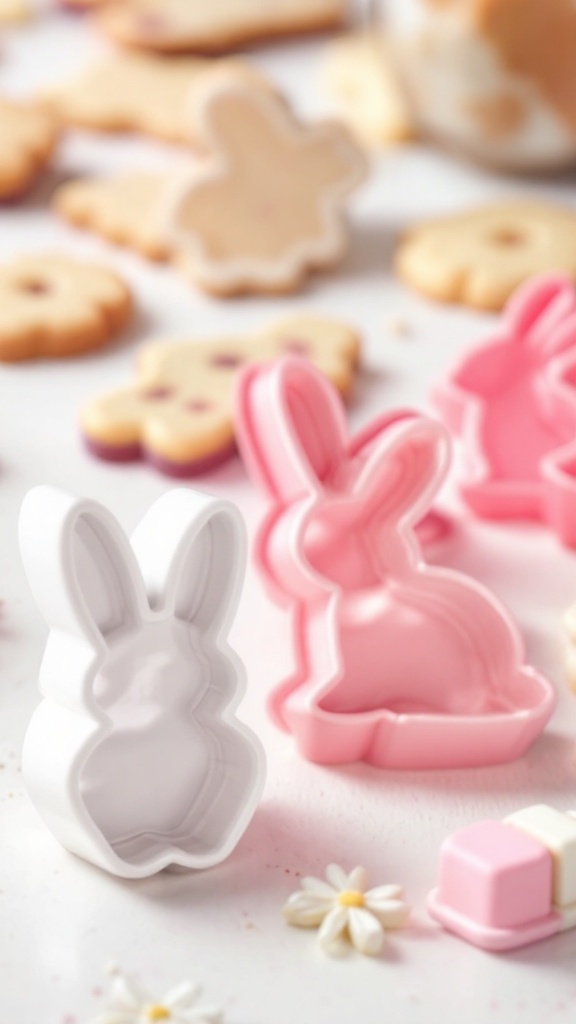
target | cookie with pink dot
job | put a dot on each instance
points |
(178, 415)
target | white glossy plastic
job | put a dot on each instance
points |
(135, 758)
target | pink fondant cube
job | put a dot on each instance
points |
(493, 874)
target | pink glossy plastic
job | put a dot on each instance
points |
(512, 401)
(495, 887)
(398, 664)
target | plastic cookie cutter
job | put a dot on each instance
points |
(512, 401)
(398, 664)
(135, 758)
(507, 884)
(569, 623)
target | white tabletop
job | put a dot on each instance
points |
(62, 920)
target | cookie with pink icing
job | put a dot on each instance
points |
(54, 307)
(178, 416)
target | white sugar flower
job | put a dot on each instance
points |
(344, 905)
(133, 1005)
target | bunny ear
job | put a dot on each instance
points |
(231, 111)
(542, 313)
(404, 470)
(79, 564)
(290, 427)
(191, 549)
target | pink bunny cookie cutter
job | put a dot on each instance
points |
(512, 401)
(398, 664)
(135, 757)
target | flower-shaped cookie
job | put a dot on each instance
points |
(179, 415)
(132, 1004)
(479, 257)
(28, 137)
(195, 25)
(56, 306)
(269, 205)
(343, 904)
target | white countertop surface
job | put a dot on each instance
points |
(62, 920)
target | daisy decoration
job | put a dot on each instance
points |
(133, 1005)
(343, 905)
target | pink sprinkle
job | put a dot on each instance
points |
(157, 394)
(152, 24)
(226, 361)
(297, 347)
(198, 405)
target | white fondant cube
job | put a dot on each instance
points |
(557, 831)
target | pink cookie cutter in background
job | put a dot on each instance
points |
(506, 884)
(398, 664)
(512, 401)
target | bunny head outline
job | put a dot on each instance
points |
(135, 758)
(397, 663)
(331, 494)
(512, 400)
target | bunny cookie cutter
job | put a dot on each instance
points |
(398, 664)
(135, 758)
(512, 401)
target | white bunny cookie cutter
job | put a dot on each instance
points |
(135, 758)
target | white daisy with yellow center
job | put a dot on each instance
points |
(343, 905)
(133, 1005)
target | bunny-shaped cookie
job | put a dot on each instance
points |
(512, 400)
(135, 758)
(398, 664)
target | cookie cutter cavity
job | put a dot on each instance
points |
(135, 758)
(398, 664)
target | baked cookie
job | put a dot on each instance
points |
(199, 26)
(268, 207)
(359, 74)
(126, 210)
(28, 137)
(138, 92)
(15, 12)
(178, 415)
(479, 257)
(55, 306)
(80, 5)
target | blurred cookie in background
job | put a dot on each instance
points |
(359, 75)
(198, 26)
(28, 138)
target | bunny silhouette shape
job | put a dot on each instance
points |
(397, 663)
(135, 758)
(512, 400)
